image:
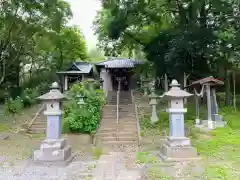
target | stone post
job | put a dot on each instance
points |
(153, 102)
(210, 122)
(177, 147)
(197, 120)
(218, 120)
(53, 149)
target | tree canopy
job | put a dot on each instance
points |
(178, 36)
(35, 33)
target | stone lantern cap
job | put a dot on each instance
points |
(53, 94)
(176, 92)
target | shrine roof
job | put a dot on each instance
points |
(210, 79)
(78, 67)
(117, 62)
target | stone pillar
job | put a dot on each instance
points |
(210, 123)
(153, 103)
(177, 146)
(197, 120)
(165, 83)
(54, 149)
(218, 120)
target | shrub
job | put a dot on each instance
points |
(85, 118)
(13, 106)
(29, 96)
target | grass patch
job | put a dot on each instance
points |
(217, 172)
(155, 173)
(219, 148)
(146, 158)
(4, 128)
(97, 152)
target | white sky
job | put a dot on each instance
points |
(84, 12)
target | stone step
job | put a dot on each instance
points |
(119, 128)
(119, 138)
(120, 123)
(37, 130)
(40, 122)
(109, 130)
(129, 175)
(118, 142)
(119, 117)
(103, 134)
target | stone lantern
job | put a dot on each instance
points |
(145, 87)
(153, 102)
(53, 149)
(80, 99)
(91, 83)
(177, 146)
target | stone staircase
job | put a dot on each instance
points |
(123, 132)
(39, 125)
(125, 98)
(119, 140)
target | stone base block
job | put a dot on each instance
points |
(178, 149)
(213, 124)
(54, 152)
(217, 117)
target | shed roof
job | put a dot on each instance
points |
(210, 79)
(118, 62)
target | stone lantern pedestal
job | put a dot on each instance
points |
(54, 150)
(177, 146)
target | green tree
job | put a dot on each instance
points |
(179, 37)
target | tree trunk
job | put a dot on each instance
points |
(234, 90)
(227, 88)
(165, 83)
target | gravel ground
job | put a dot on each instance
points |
(15, 163)
(26, 170)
